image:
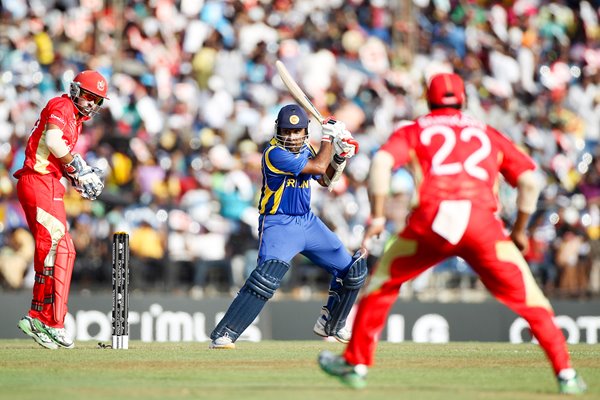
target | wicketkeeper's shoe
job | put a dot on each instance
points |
(572, 385)
(57, 335)
(25, 324)
(222, 342)
(343, 335)
(354, 376)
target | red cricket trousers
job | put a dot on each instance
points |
(41, 197)
(488, 251)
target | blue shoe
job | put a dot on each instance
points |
(354, 376)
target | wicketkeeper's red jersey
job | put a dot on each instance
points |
(456, 157)
(59, 111)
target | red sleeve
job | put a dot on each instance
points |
(58, 113)
(513, 160)
(398, 145)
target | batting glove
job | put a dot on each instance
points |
(346, 147)
(332, 128)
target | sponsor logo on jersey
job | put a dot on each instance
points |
(56, 117)
(300, 184)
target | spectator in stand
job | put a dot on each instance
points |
(149, 269)
(539, 255)
(16, 257)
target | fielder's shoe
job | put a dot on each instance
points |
(342, 335)
(571, 384)
(354, 376)
(222, 342)
(25, 324)
(57, 335)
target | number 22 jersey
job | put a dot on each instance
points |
(455, 157)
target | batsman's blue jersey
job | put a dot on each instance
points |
(287, 225)
(285, 190)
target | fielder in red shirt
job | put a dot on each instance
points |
(456, 161)
(47, 158)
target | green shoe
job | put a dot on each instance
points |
(26, 325)
(574, 385)
(57, 335)
(354, 376)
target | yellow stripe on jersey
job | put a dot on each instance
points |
(278, 194)
(41, 156)
(506, 251)
(271, 166)
(265, 199)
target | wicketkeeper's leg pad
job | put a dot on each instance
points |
(258, 289)
(63, 270)
(342, 299)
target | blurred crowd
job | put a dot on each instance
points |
(193, 99)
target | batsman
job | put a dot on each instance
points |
(287, 227)
(48, 157)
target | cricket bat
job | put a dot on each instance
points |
(297, 93)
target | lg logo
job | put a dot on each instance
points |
(434, 328)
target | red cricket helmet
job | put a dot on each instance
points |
(93, 82)
(446, 89)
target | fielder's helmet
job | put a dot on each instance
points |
(446, 90)
(291, 116)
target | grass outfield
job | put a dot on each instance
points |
(283, 370)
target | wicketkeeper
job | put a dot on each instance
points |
(287, 227)
(47, 158)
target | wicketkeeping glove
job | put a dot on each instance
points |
(85, 179)
(90, 181)
(332, 128)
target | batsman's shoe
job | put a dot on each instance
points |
(25, 324)
(57, 335)
(354, 376)
(222, 342)
(572, 385)
(342, 335)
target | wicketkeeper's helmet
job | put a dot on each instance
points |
(90, 82)
(446, 90)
